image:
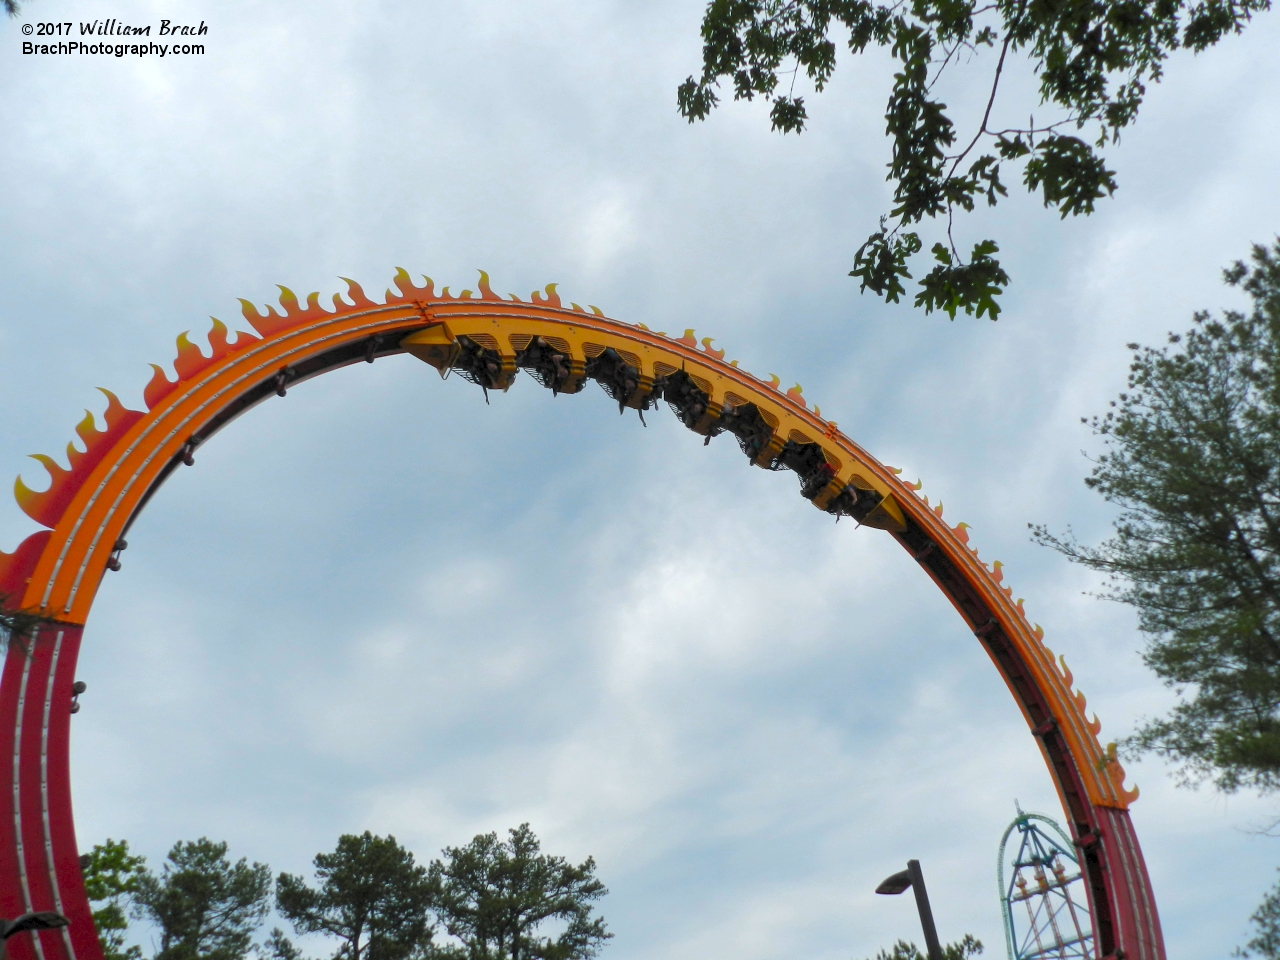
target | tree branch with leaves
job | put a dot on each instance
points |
(1093, 59)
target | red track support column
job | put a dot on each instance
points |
(1133, 903)
(39, 861)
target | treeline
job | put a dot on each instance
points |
(371, 900)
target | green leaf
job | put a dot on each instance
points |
(1070, 175)
(972, 287)
(882, 261)
(111, 878)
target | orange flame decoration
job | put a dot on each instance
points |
(46, 507)
(552, 299)
(191, 361)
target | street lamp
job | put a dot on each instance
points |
(913, 877)
(44, 920)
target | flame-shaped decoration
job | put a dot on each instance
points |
(191, 361)
(16, 567)
(1115, 773)
(159, 387)
(688, 339)
(961, 531)
(552, 299)
(47, 507)
(358, 299)
(1108, 756)
(794, 395)
(938, 510)
(774, 381)
(486, 293)
(272, 323)
(708, 349)
(409, 293)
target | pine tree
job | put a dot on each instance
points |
(206, 907)
(1193, 463)
(371, 896)
(494, 896)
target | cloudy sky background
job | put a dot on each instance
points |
(381, 604)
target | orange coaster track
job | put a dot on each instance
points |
(89, 506)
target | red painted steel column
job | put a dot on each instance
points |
(39, 862)
(1133, 901)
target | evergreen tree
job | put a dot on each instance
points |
(1266, 921)
(1193, 463)
(493, 897)
(206, 907)
(371, 896)
(906, 950)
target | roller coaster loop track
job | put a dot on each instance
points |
(88, 507)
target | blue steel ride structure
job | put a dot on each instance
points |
(1044, 901)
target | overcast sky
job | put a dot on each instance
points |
(381, 604)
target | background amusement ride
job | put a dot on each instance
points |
(88, 508)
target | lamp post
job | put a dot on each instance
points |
(44, 920)
(913, 877)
